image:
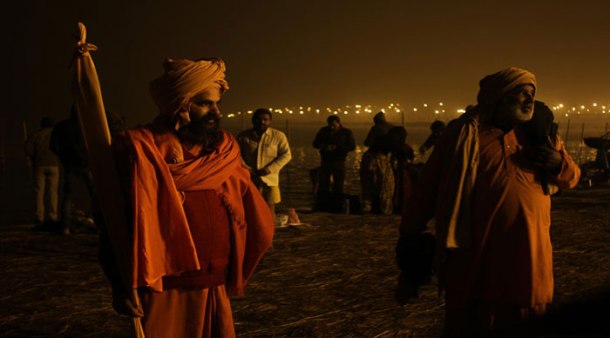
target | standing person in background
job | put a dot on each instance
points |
(334, 143)
(436, 129)
(265, 151)
(402, 158)
(378, 131)
(46, 173)
(377, 179)
(200, 226)
(68, 143)
(492, 216)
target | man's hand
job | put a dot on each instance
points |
(331, 147)
(544, 157)
(123, 304)
(262, 172)
(405, 291)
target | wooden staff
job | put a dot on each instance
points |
(87, 96)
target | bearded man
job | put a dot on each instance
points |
(482, 185)
(200, 226)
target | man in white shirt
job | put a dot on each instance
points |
(265, 151)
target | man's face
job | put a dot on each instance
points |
(262, 122)
(204, 107)
(204, 113)
(516, 107)
(334, 125)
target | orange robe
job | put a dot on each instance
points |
(163, 245)
(163, 241)
(509, 262)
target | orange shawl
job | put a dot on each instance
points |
(162, 243)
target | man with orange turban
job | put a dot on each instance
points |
(483, 187)
(200, 226)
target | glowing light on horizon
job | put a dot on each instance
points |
(420, 110)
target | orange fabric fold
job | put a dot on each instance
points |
(163, 244)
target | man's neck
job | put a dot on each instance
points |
(259, 132)
(504, 127)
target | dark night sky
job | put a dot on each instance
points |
(290, 53)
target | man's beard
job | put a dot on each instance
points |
(201, 132)
(511, 114)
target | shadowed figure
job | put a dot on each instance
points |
(334, 143)
(436, 129)
(68, 143)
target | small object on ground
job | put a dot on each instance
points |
(283, 221)
(293, 218)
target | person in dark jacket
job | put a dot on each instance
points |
(334, 143)
(67, 142)
(375, 138)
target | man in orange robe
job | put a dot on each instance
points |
(200, 226)
(482, 185)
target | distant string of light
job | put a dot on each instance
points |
(437, 110)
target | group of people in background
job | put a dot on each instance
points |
(387, 168)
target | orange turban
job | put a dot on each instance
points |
(493, 87)
(182, 80)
